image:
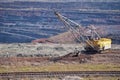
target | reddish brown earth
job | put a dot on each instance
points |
(21, 61)
(60, 38)
(42, 40)
(112, 56)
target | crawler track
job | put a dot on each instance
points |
(12, 75)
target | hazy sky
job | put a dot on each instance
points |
(62, 0)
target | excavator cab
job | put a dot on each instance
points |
(98, 45)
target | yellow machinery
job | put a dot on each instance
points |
(92, 43)
(98, 44)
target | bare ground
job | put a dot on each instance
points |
(106, 57)
(33, 61)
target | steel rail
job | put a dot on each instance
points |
(59, 74)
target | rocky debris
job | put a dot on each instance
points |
(104, 58)
(40, 49)
(72, 78)
(65, 53)
(37, 50)
(72, 57)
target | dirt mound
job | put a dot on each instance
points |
(65, 37)
(68, 37)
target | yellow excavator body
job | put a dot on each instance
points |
(98, 44)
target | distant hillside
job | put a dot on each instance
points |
(62, 0)
(22, 22)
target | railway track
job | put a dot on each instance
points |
(12, 75)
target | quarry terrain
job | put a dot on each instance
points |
(32, 39)
(50, 57)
